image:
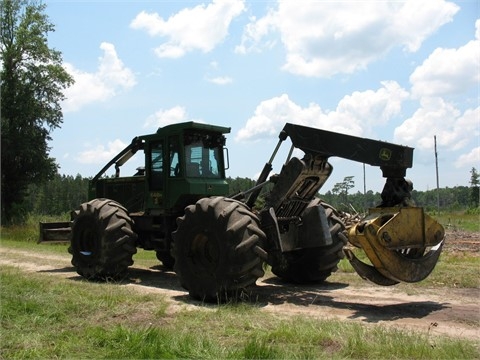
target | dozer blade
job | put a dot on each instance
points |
(395, 241)
(54, 232)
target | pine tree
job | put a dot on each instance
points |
(33, 79)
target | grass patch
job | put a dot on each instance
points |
(30, 231)
(60, 249)
(461, 220)
(453, 270)
(49, 317)
(44, 317)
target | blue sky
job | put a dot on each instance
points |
(398, 71)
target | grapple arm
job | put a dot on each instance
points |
(403, 244)
(400, 240)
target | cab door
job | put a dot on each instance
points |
(155, 162)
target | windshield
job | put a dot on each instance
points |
(202, 155)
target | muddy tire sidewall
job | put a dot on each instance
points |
(102, 242)
(213, 249)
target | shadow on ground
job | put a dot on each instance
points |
(274, 291)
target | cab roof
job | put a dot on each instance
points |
(191, 125)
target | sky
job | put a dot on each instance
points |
(405, 72)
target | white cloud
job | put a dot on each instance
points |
(436, 117)
(414, 20)
(174, 115)
(110, 77)
(470, 159)
(354, 115)
(269, 117)
(199, 28)
(325, 38)
(220, 80)
(100, 154)
(449, 71)
(255, 32)
(373, 108)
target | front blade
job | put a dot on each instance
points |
(54, 232)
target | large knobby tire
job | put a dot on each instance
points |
(215, 249)
(313, 265)
(102, 241)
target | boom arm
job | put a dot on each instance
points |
(391, 158)
(122, 157)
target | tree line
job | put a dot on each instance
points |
(448, 199)
(451, 199)
(63, 194)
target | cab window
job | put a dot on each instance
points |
(156, 166)
(174, 157)
(202, 155)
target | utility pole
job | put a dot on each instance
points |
(364, 181)
(365, 188)
(436, 171)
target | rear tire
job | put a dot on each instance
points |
(313, 265)
(102, 242)
(214, 249)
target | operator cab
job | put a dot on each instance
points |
(183, 163)
(194, 160)
(201, 156)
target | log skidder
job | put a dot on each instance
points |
(179, 205)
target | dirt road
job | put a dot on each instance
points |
(452, 312)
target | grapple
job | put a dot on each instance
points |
(402, 243)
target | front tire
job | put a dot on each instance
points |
(102, 241)
(214, 248)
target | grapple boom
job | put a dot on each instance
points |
(400, 240)
(392, 159)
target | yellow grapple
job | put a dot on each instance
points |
(402, 243)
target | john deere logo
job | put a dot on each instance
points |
(385, 154)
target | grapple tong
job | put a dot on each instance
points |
(402, 242)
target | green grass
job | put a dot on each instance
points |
(51, 317)
(42, 318)
(29, 231)
(453, 270)
(461, 220)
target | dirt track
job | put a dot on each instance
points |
(452, 312)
